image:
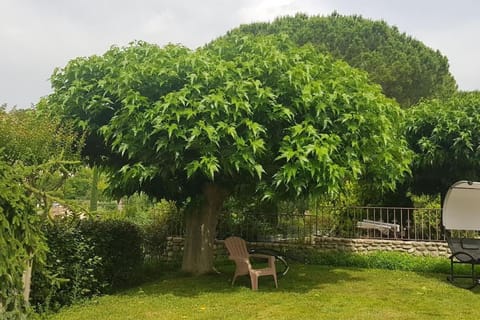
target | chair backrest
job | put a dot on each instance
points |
(236, 247)
(461, 207)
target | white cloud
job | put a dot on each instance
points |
(38, 35)
(455, 42)
(268, 10)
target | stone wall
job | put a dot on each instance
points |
(328, 244)
(419, 248)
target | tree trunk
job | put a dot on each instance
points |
(94, 189)
(201, 224)
(27, 280)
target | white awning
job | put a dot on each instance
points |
(461, 207)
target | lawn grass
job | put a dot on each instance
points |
(306, 292)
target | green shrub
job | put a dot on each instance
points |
(161, 219)
(381, 260)
(119, 244)
(156, 219)
(154, 240)
(69, 273)
(20, 239)
(86, 258)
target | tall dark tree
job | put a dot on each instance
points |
(252, 113)
(406, 69)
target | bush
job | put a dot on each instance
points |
(119, 244)
(69, 273)
(20, 239)
(86, 258)
(157, 220)
(381, 260)
(155, 240)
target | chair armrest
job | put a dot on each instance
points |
(259, 255)
(469, 246)
(463, 257)
(237, 258)
(271, 259)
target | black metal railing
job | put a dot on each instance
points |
(345, 222)
(419, 224)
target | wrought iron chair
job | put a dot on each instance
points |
(464, 251)
(461, 215)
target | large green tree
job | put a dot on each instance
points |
(406, 69)
(244, 114)
(445, 136)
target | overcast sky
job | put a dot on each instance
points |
(37, 36)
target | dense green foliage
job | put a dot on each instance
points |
(31, 139)
(119, 245)
(70, 271)
(79, 185)
(381, 260)
(20, 240)
(86, 258)
(43, 151)
(156, 219)
(445, 136)
(94, 257)
(36, 155)
(257, 111)
(406, 69)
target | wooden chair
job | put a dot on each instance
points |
(237, 249)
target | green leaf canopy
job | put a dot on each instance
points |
(252, 112)
(445, 136)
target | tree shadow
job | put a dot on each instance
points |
(441, 273)
(299, 279)
(461, 284)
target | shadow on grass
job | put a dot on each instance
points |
(299, 279)
(463, 284)
(302, 278)
(437, 268)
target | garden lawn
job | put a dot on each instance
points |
(306, 292)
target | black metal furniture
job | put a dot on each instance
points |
(461, 217)
(464, 251)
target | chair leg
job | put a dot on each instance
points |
(275, 279)
(234, 278)
(254, 281)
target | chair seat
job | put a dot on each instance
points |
(263, 272)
